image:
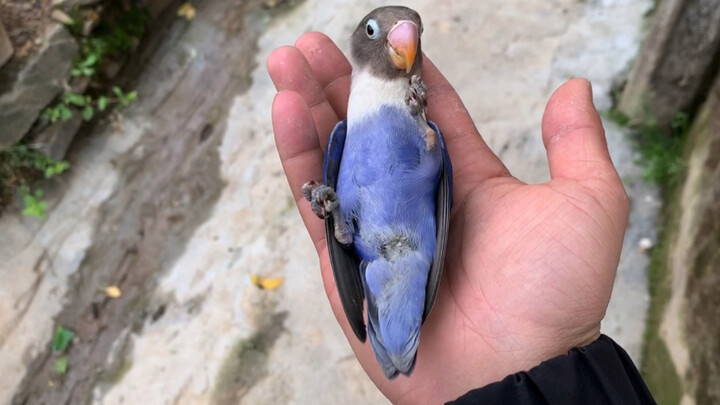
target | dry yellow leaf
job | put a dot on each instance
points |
(113, 291)
(186, 10)
(266, 283)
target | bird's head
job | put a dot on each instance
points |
(387, 42)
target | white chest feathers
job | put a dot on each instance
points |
(368, 93)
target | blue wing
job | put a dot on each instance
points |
(343, 259)
(443, 204)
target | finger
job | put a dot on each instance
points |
(574, 137)
(471, 158)
(301, 157)
(300, 154)
(290, 70)
(331, 68)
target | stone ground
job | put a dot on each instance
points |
(182, 197)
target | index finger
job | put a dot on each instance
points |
(472, 159)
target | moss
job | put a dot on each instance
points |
(247, 362)
(657, 367)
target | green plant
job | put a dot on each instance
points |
(122, 31)
(661, 153)
(76, 23)
(114, 36)
(85, 65)
(63, 338)
(34, 205)
(20, 165)
(59, 112)
(61, 365)
(63, 111)
(61, 342)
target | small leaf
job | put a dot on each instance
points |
(63, 338)
(56, 168)
(76, 72)
(187, 11)
(128, 98)
(76, 99)
(266, 283)
(64, 112)
(90, 60)
(113, 291)
(102, 103)
(61, 166)
(34, 207)
(118, 91)
(61, 365)
(87, 112)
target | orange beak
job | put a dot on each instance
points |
(402, 44)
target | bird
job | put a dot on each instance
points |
(386, 192)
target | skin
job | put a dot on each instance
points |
(529, 268)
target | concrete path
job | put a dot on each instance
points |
(197, 330)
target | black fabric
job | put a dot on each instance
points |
(600, 373)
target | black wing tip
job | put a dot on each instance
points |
(360, 333)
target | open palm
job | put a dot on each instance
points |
(529, 268)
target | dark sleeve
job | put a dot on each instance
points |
(600, 373)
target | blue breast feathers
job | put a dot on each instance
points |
(387, 180)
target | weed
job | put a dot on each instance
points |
(20, 165)
(34, 205)
(116, 34)
(63, 111)
(660, 150)
(61, 342)
(661, 153)
(113, 37)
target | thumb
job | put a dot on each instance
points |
(577, 150)
(574, 137)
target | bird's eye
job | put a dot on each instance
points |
(372, 29)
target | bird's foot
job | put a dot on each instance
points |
(323, 199)
(415, 98)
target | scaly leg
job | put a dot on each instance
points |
(324, 200)
(416, 100)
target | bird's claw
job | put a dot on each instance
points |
(416, 98)
(323, 199)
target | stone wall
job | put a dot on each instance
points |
(677, 63)
(6, 48)
(689, 324)
(32, 80)
(31, 84)
(694, 256)
(677, 71)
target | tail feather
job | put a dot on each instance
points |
(395, 291)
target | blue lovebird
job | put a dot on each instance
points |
(386, 192)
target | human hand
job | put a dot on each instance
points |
(529, 268)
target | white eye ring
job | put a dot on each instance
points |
(372, 29)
